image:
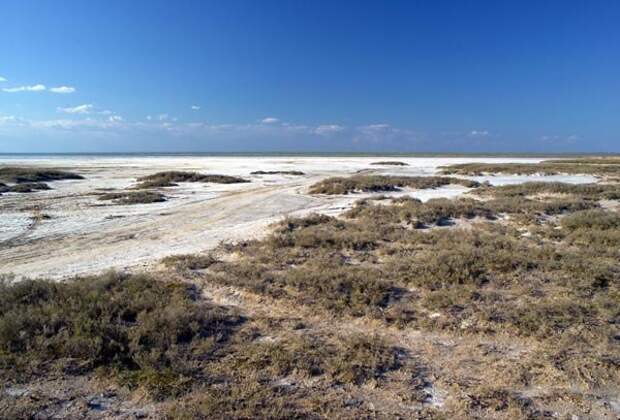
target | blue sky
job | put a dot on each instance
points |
(380, 76)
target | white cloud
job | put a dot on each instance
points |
(79, 125)
(7, 118)
(38, 88)
(383, 133)
(2, 79)
(270, 120)
(33, 88)
(560, 139)
(87, 121)
(149, 118)
(105, 112)
(327, 129)
(376, 127)
(80, 109)
(195, 107)
(478, 133)
(62, 89)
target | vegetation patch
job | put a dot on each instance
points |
(552, 167)
(26, 187)
(296, 173)
(160, 339)
(189, 261)
(390, 163)
(600, 160)
(133, 197)
(19, 175)
(379, 183)
(529, 189)
(27, 180)
(537, 263)
(266, 373)
(411, 211)
(141, 331)
(378, 310)
(172, 178)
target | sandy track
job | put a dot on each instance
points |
(134, 242)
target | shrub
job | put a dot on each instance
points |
(583, 191)
(545, 168)
(131, 197)
(189, 261)
(390, 163)
(138, 328)
(591, 219)
(378, 183)
(23, 188)
(20, 175)
(172, 178)
(414, 212)
(297, 173)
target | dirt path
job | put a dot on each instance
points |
(137, 240)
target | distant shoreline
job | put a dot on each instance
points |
(305, 154)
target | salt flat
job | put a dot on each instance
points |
(84, 236)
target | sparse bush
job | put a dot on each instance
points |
(28, 187)
(602, 160)
(133, 197)
(296, 173)
(172, 178)
(356, 291)
(350, 359)
(545, 168)
(591, 219)
(412, 211)
(512, 303)
(530, 207)
(189, 261)
(527, 189)
(390, 163)
(136, 327)
(21, 175)
(597, 230)
(379, 183)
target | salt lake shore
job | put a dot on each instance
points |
(84, 235)
(309, 287)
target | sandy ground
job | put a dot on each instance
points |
(84, 236)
